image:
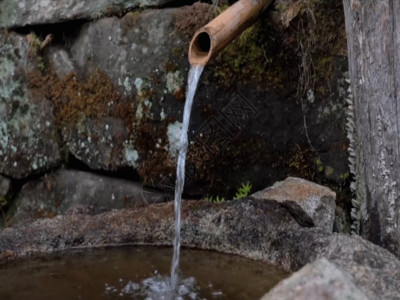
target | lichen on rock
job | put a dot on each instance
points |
(116, 108)
(28, 141)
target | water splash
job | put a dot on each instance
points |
(193, 80)
(157, 287)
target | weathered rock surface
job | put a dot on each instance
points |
(136, 128)
(132, 48)
(309, 203)
(35, 12)
(123, 107)
(320, 280)
(72, 192)
(256, 229)
(28, 137)
(144, 56)
(61, 61)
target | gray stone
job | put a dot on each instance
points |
(320, 280)
(73, 192)
(4, 186)
(135, 52)
(132, 48)
(28, 137)
(61, 61)
(34, 12)
(111, 151)
(261, 230)
(309, 203)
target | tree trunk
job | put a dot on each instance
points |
(373, 34)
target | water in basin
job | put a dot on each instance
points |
(137, 273)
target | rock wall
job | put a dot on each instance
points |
(102, 85)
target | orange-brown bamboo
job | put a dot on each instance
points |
(209, 40)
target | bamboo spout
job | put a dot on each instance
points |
(216, 35)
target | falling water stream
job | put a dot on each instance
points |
(193, 80)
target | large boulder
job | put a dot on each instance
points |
(119, 107)
(34, 12)
(320, 280)
(309, 203)
(71, 192)
(28, 135)
(133, 122)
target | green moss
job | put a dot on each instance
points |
(344, 176)
(323, 74)
(280, 7)
(242, 55)
(257, 55)
(324, 67)
(177, 51)
(220, 9)
(324, 63)
(299, 57)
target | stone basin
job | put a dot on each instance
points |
(255, 227)
(136, 272)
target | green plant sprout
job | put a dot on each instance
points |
(3, 201)
(211, 199)
(243, 191)
(319, 164)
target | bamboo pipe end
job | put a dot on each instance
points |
(200, 49)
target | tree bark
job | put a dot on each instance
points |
(373, 34)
